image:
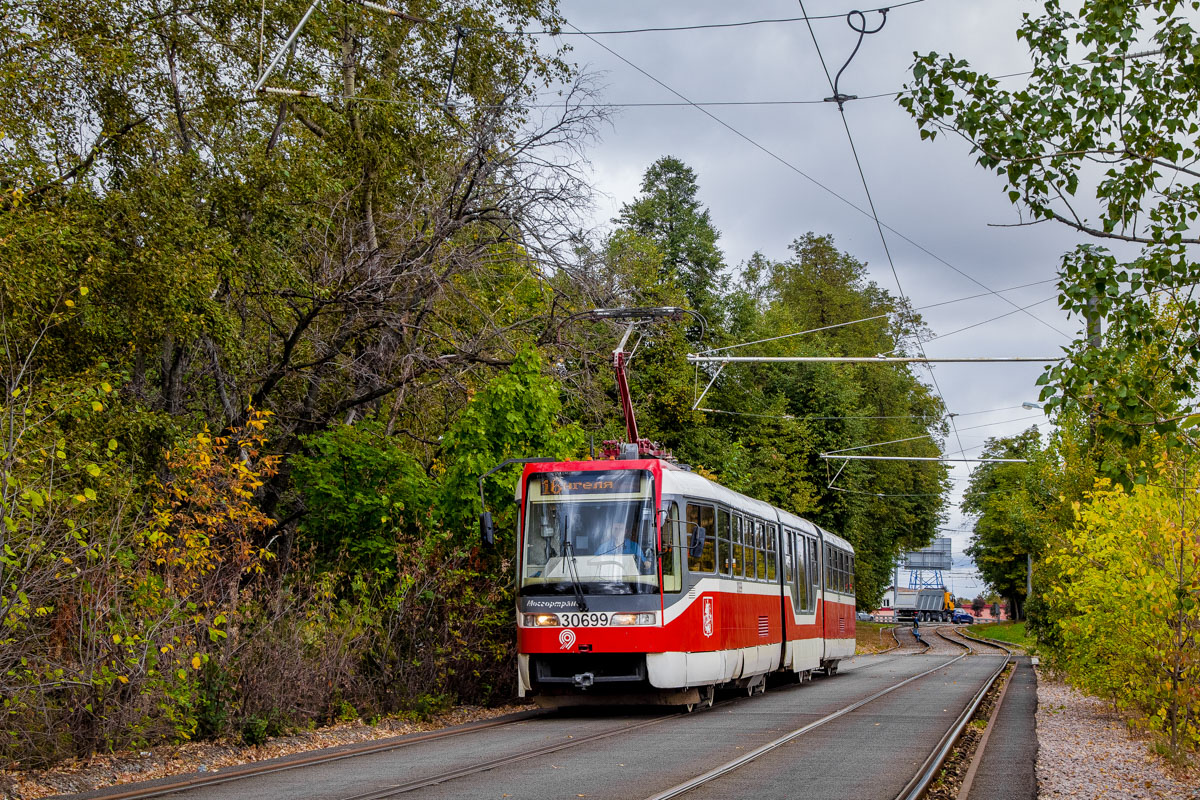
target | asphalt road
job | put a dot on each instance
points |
(867, 754)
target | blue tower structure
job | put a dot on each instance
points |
(925, 566)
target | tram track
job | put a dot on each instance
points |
(474, 769)
(928, 770)
(485, 766)
(176, 784)
(503, 760)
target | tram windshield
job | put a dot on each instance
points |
(590, 531)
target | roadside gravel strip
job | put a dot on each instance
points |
(1085, 751)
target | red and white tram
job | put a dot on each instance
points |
(641, 581)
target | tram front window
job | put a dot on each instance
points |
(590, 530)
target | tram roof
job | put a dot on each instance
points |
(689, 483)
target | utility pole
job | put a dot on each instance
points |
(1028, 581)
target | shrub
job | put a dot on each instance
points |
(1130, 600)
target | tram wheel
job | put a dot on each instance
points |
(707, 696)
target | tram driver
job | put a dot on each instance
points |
(619, 541)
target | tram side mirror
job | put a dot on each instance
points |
(699, 537)
(487, 530)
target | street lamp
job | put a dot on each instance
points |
(1031, 405)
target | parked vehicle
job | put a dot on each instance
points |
(927, 605)
(863, 616)
(961, 617)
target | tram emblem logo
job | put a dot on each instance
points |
(707, 616)
(566, 639)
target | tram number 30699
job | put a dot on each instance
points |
(583, 620)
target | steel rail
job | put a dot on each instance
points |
(244, 771)
(1007, 647)
(928, 771)
(462, 772)
(695, 359)
(964, 789)
(725, 769)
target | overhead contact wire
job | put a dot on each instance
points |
(776, 157)
(882, 316)
(707, 26)
(871, 203)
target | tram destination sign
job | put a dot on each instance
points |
(558, 484)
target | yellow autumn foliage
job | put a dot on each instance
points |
(1129, 597)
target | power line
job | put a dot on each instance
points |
(789, 165)
(707, 26)
(867, 190)
(883, 494)
(930, 417)
(882, 316)
(808, 418)
(337, 95)
(924, 436)
(993, 319)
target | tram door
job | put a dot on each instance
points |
(787, 577)
(824, 568)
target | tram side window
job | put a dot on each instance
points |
(814, 572)
(745, 553)
(828, 567)
(850, 576)
(672, 570)
(788, 545)
(735, 558)
(771, 552)
(739, 546)
(723, 540)
(801, 581)
(749, 531)
(760, 550)
(701, 516)
(748, 535)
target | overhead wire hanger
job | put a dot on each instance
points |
(863, 31)
(279, 54)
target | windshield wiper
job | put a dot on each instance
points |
(569, 556)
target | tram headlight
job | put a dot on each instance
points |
(541, 621)
(632, 619)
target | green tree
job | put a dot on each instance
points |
(770, 423)
(1008, 501)
(669, 213)
(1138, 646)
(363, 496)
(1100, 137)
(515, 416)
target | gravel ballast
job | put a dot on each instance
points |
(1086, 750)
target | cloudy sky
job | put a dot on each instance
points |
(759, 176)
